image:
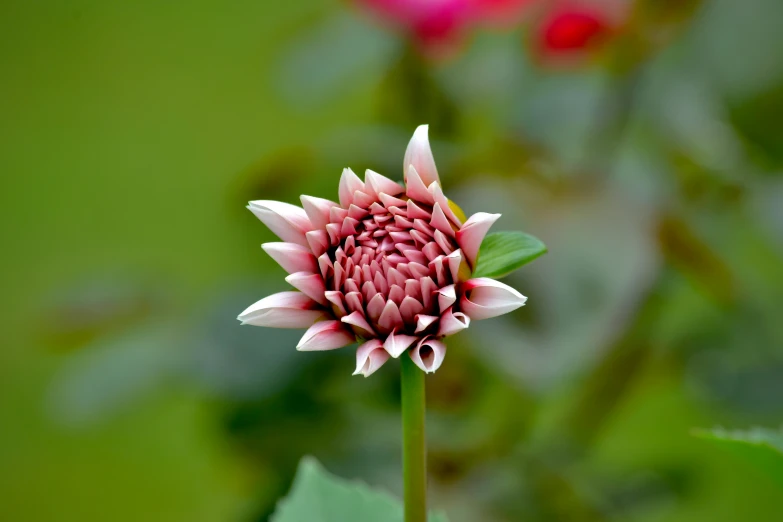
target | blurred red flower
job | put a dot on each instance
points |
(568, 31)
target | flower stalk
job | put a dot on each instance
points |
(414, 452)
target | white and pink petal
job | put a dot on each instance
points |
(288, 222)
(318, 210)
(472, 233)
(428, 354)
(283, 310)
(326, 335)
(483, 298)
(419, 154)
(292, 257)
(370, 356)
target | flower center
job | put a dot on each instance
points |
(388, 258)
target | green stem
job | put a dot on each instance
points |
(414, 455)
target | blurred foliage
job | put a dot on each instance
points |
(320, 497)
(134, 134)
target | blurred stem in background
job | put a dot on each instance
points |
(414, 452)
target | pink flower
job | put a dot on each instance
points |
(437, 25)
(389, 265)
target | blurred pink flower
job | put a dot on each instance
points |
(389, 265)
(438, 25)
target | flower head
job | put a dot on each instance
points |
(389, 265)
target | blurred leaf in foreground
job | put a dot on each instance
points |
(762, 447)
(503, 252)
(317, 496)
(759, 437)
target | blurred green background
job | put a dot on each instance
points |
(133, 133)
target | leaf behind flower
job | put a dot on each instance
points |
(503, 252)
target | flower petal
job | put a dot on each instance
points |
(369, 357)
(357, 320)
(447, 296)
(452, 322)
(428, 354)
(460, 271)
(318, 241)
(423, 322)
(442, 200)
(390, 317)
(439, 221)
(325, 335)
(375, 307)
(283, 310)
(397, 344)
(380, 184)
(288, 222)
(410, 308)
(484, 298)
(311, 285)
(419, 154)
(472, 233)
(317, 210)
(349, 183)
(415, 187)
(337, 301)
(292, 257)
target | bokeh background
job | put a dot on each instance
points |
(642, 140)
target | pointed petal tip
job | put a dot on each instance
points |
(419, 154)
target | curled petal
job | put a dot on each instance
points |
(325, 335)
(428, 354)
(318, 210)
(337, 301)
(311, 285)
(460, 271)
(349, 185)
(292, 257)
(484, 298)
(472, 233)
(283, 310)
(447, 296)
(397, 344)
(415, 187)
(288, 222)
(369, 357)
(424, 321)
(380, 184)
(452, 322)
(359, 322)
(419, 154)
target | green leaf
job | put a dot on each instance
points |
(503, 252)
(762, 447)
(318, 496)
(761, 437)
